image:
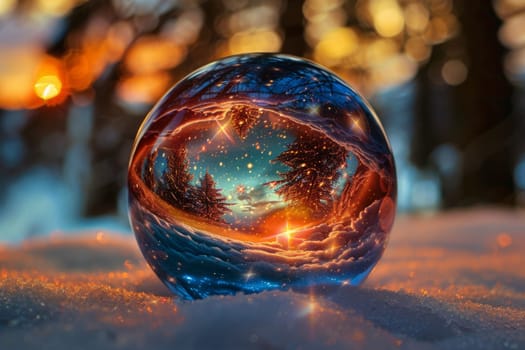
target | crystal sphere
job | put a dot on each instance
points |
(260, 172)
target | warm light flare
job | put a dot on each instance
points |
(30, 78)
(48, 87)
(249, 275)
(49, 81)
(287, 236)
(287, 231)
(222, 130)
(356, 125)
(311, 308)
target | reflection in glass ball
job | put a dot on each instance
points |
(261, 172)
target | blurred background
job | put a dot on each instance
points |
(447, 78)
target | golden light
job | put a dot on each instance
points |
(336, 15)
(512, 33)
(440, 29)
(335, 46)
(81, 73)
(152, 54)
(417, 49)
(255, 16)
(118, 38)
(261, 40)
(222, 130)
(379, 50)
(287, 229)
(286, 236)
(32, 78)
(416, 17)
(48, 83)
(48, 87)
(145, 88)
(387, 17)
(356, 124)
(394, 71)
(55, 8)
(100, 44)
(333, 249)
(6, 6)
(322, 17)
(313, 6)
(17, 69)
(315, 31)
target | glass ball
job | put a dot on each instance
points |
(260, 172)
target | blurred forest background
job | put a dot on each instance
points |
(77, 77)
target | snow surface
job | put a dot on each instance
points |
(450, 281)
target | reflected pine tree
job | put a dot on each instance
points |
(207, 199)
(316, 164)
(174, 187)
(176, 177)
(243, 119)
(148, 171)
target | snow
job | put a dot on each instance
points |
(449, 281)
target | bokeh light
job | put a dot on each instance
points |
(48, 87)
(454, 72)
(387, 17)
(143, 88)
(55, 8)
(337, 45)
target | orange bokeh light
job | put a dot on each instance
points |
(33, 78)
(48, 87)
(152, 54)
(143, 88)
(49, 81)
(504, 240)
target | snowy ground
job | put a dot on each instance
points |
(451, 281)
